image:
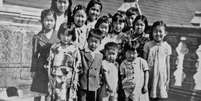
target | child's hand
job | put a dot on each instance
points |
(144, 89)
(33, 74)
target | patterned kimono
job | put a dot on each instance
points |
(140, 41)
(63, 71)
(81, 36)
(41, 48)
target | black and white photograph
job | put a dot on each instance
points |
(100, 50)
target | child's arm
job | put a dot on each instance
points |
(146, 75)
(34, 56)
(168, 70)
(146, 80)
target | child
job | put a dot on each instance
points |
(131, 14)
(80, 29)
(89, 79)
(110, 68)
(140, 27)
(134, 73)
(103, 25)
(63, 67)
(116, 35)
(62, 8)
(159, 52)
(41, 46)
(94, 8)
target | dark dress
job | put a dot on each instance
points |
(41, 48)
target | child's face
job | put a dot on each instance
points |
(80, 18)
(65, 39)
(62, 5)
(118, 26)
(159, 33)
(94, 12)
(130, 20)
(93, 43)
(139, 27)
(131, 55)
(104, 27)
(111, 54)
(48, 22)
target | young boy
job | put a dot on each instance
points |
(91, 58)
(110, 70)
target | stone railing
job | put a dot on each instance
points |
(185, 63)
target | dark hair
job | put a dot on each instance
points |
(67, 12)
(144, 19)
(103, 19)
(131, 46)
(132, 11)
(92, 3)
(111, 45)
(78, 7)
(45, 13)
(157, 23)
(65, 30)
(118, 17)
(95, 33)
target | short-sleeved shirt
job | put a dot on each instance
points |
(134, 76)
(111, 70)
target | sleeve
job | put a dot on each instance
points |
(104, 67)
(169, 50)
(146, 47)
(122, 68)
(150, 59)
(144, 64)
(34, 54)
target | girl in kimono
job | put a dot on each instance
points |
(80, 29)
(94, 8)
(62, 66)
(134, 74)
(41, 46)
(140, 26)
(62, 9)
(158, 52)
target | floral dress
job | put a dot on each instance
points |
(133, 73)
(158, 54)
(63, 71)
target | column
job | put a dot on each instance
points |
(198, 73)
(181, 50)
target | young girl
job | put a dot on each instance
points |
(93, 10)
(62, 8)
(158, 59)
(41, 46)
(110, 71)
(140, 27)
(134, 75)
(131, 14)
(80, 29)
(103, 25)
(116, 35)
(63, 64)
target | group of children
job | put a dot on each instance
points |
(80, 56)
